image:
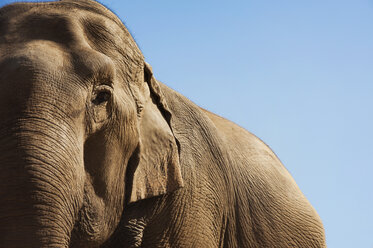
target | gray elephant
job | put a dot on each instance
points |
(95, 152)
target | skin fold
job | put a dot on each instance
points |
(95, 152)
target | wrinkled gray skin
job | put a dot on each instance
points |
(96, 152)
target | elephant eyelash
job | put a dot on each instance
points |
(102, 94)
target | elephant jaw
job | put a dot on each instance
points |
(93, 225)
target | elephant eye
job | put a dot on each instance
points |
(103, 95)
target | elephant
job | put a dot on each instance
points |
(96, 152)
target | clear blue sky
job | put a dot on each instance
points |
(298, 74)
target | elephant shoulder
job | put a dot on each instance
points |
(239, 139)
(255, 163)
(267, 205)
(269, 192)
(246, 152)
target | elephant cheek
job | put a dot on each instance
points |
(105, 168)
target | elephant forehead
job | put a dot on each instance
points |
(35, 55)
(73, 25)
(56, 21)
(39, 67)
(44, 52)
(42, 58)
(88, 39)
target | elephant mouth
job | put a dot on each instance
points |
(92, 227)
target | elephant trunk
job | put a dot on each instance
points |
(40, 184)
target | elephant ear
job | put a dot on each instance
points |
(158, 171)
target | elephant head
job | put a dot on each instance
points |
(84, 127)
